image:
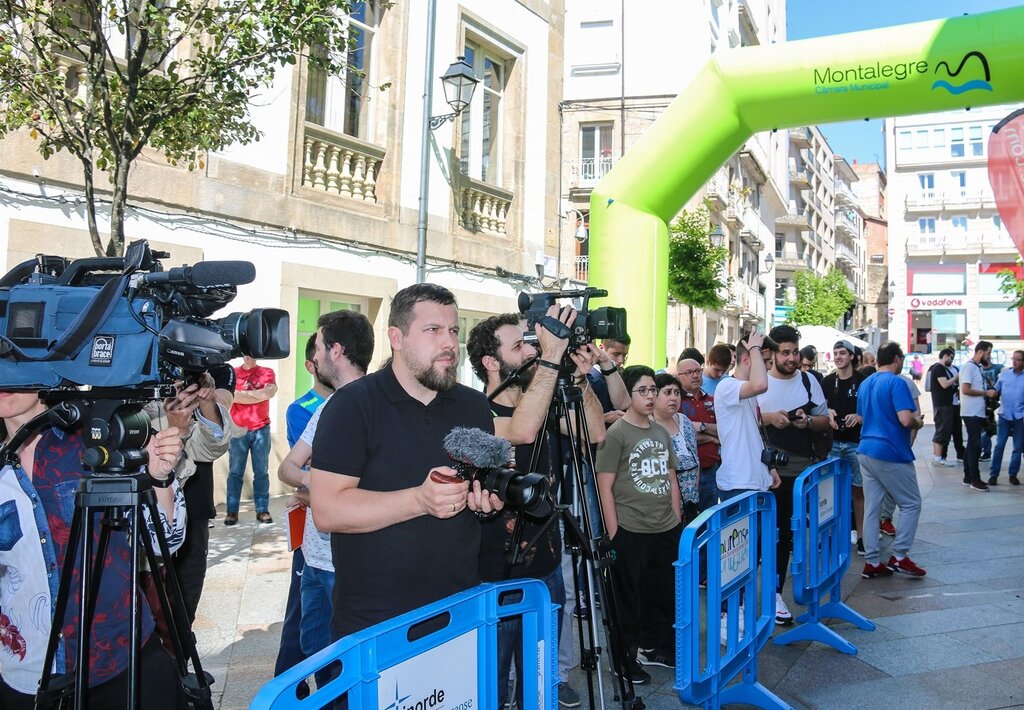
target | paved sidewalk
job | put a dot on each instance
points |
(954, 639)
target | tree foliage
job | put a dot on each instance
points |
(696, 268)
(104, 79)
(1013, 286)
(820, 300)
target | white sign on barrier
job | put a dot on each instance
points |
(443, 678)
(826, 500)
(734, 542)
(542, 668)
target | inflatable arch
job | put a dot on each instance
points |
(918, 68)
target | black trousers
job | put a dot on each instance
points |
(191, 559)
(972, 470)
(644, 587)
(159, 685)
(783, 521)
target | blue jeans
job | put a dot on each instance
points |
(258, 443)
(1008, 428)
(290, 652)
(510, 640)
(315, 626)
(707, 489)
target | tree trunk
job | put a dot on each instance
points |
(693, 328)
(118, 203)
(90, 208)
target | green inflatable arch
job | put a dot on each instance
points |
(929, 66)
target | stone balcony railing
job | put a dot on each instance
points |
(339, 164)
(483, 207)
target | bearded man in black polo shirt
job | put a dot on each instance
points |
(401, 538)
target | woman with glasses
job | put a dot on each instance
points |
(636, 475)
(684, 441)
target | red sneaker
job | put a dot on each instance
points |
(905, 566)
(872, 571)
(887, 528)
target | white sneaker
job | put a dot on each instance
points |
(724, 637)
(938, 461)
(782, 615)
(951, 463)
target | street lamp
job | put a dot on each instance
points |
(717, 236)
(581, 233)
(769, 262)
(459, 85)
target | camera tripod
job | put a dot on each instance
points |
(584, 538)
(120, 490)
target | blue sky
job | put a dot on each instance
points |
(862, 140)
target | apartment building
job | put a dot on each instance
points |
(326, 202)
(805, 234)
(617, 84)
(870, 192)
(947, 244)
(850, 242)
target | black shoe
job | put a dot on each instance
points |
(638, 675)
(985, 457)
(993, 482)
(860, 546)
(231, 519)
(655, 657)
(978, 485)
(582, 611)
(1014, 481)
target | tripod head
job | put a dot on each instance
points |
(114, 425)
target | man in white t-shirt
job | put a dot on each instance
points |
(973, 391)
(344, 346)
(736, 412)
(792, 409)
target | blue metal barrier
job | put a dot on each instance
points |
(441, 655)
(821, 554)
(743, 531)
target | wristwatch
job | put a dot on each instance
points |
(703, 427)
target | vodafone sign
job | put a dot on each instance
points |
(936, 302)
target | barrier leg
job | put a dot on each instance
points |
(750, 692)
(812, 629)
(836, 609)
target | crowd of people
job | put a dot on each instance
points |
(403, 529)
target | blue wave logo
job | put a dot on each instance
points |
(971, 85)
(962, 88)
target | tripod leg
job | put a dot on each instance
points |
(46, 696)
(197, 685)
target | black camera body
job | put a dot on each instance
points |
(528, 492)
(774, 458)
(605, 322)
(125, 322)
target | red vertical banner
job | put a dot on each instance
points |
(1006, 173)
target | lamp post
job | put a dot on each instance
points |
(717, 236)
(769, 263)
(459, 85)
(580, 234)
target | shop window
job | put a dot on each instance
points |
(937, 279)
(995, 320)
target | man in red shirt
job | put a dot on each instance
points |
(699, 407)
(254, 387)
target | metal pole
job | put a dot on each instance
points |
(428, 100)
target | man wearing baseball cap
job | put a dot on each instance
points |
(840, 388)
